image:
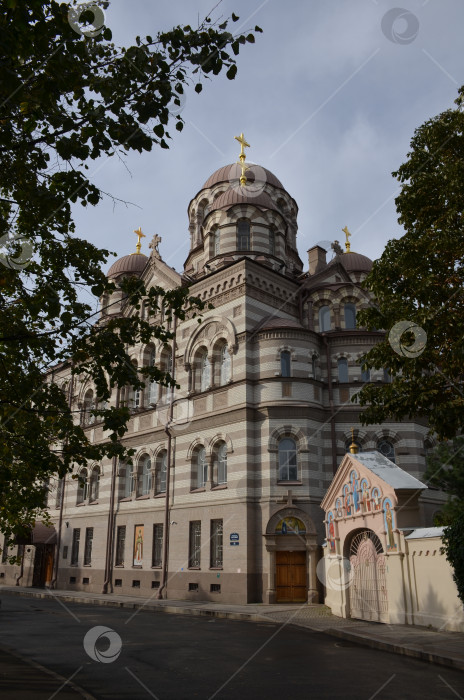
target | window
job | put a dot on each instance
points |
(4, 550)
(342, 370)
(167, 367)
(216, 544)
(137, 400)
(285, 362)
(387, 376)
(59, 492)
(324, 319)
(95, 484)
(205, 372)
(201, 468)
(314, 365)
(365, 375)
(272, 242)
(88, 546)
(128, 481)
(194, 544)
(385, 447)
(120, 545)
(216, 242)
(350, 316)
(144, 483)
(75, 546)
(161, 472)
(288, 470)
(153, 386)
(222, 464)
(243, 235)
(157, 555)
(87, 407)
(224, 365)
(82, 486)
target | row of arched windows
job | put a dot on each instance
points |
(207, 372)
(243, 239)
(325, 323)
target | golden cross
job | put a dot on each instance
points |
(347, 234)
(140, 235)
(242, 141)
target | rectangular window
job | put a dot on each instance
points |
(195, 544)
(75, 546)
(285, 363)
(59, 493)
(4, 550)
(216, 544)
(243, 235)
(88, 546)
(120, 545)
(157, 557)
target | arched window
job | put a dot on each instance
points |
(153, 386)
(161, 472)
(272, 242)
(288, 468)
(87, 418)
(387, 376)
(127, 481)
(82, 486)
(342, 370)
(166, 366)
(365, 374)
(285, 363)
(201, 467)
(385, 447)
(205, 371)
(95, 484)
(224, 361)
(144, 482)
(243, 235)
(324, 319)
(216, 242)
(222, 464)
(350, 316)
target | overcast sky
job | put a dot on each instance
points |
(328, 97)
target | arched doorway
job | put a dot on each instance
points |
(368, 589)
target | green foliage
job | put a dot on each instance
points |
(65, 100)
(419, 278)
(445, 471)
(453, 539)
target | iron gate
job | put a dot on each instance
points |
(368, 590)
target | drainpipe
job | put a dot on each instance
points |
(167, 429)
(110, 531)
(63, 490)
(331, 404)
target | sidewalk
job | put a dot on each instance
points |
(443, 648)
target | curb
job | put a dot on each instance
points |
(359, 639)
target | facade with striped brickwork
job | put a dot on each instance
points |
(262, 418)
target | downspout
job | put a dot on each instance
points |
(109, 534)
(63, 490)
(331, 404)
(167, 429)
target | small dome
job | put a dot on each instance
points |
(129, 264)
(239, 195)
(353, 262)
(229, 173)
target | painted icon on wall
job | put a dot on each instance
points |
(338, 508)
(365, 500)
(376, 504)
(290, 526)
(138, 545)
(354, 490)
(331, 531)
(347, 499)
(389, 523)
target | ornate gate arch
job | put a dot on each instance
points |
(368, 589)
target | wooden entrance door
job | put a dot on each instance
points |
(43, 565)
(291, 577)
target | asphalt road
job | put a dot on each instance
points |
(178, 657)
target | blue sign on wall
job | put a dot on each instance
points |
(234, 536)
